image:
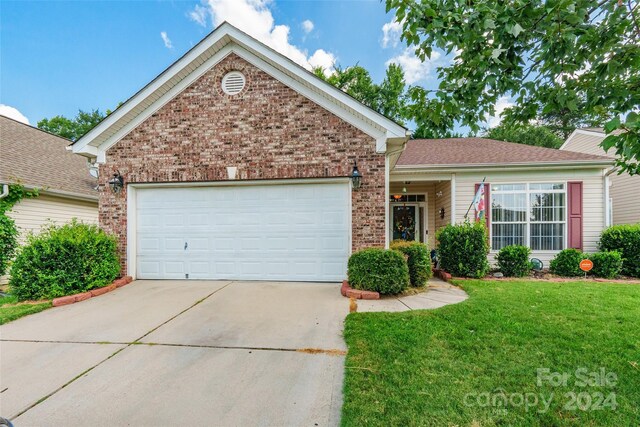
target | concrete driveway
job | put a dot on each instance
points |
(179, 352)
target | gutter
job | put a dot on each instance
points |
(503, 166)
(64, 194)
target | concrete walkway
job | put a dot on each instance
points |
(439, 294)
(180, 352)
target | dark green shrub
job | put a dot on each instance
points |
(606, 264)
(8, 241)
(567, 263)
(379, 270)
(513, 261)
(64, 260)
(418, 260)
(626, 240)
(463, 249)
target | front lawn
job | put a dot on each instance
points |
(479, 362)
(11, 309)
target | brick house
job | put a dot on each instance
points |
(237, 163)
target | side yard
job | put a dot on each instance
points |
(492, 359)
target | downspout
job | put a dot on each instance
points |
(5, 191)
(608, 220)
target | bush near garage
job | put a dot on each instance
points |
(606, 264)
(626, 240)
(463, 249)
(380, 270)
(513, 261)
(418, 260)
(567, 263)
(64, 260)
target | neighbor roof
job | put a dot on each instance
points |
(36, 158)
(483, 151)
(222, 41)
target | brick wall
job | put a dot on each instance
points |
(268, 131)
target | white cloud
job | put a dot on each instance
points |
(166, 40)
(254, 18)
(414, 69)
(391, 33)
(324, 60)
(199, 15)
(502, 104)
(307, 26)
(13, 113)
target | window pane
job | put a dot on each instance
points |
(509, 207)
(547, 237)
(547, 207)
(549, 186)
(508, 187)
(507, 234)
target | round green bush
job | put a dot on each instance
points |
(63, 260)
(626, 240)
(606, 264)
(380, 270)
(8, 241)
(418, 260)
(513, 261)
(463, 249)
(567, 263)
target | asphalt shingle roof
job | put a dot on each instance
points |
(36, 158)
(482, 151)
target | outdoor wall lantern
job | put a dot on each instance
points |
(441, 213)
(356, 177)
(116, 183)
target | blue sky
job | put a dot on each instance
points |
(61, 56)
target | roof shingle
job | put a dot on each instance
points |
(483, 151)
(39, 159)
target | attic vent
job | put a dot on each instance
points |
(233, 83)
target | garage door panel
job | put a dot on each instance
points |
(275, 232)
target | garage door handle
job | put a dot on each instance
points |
(185, 245)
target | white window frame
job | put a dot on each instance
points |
(528, 191)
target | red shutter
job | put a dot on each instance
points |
(574, 217)
(487, 202)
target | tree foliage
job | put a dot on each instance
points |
(556, 59)
(524, 134)
(73, 128)
(8, 229)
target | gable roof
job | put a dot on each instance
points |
(212, 49)
(36, 158)
(439, 153)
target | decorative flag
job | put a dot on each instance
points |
(478, 203)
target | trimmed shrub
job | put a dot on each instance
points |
(379, 270)
(418, 260)
(606, 264)
(463, 249)
(626, 240)
(63, 260)
(8, 241)
(513, 261)
(567, 263)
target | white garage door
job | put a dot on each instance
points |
(259, 232)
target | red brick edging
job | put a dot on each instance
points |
(70, 299)
(442, 274)
(349, 292)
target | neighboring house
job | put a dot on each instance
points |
(624, 207)
(38, 159)
(237, 163)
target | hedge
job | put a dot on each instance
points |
(567, 263)
(418, 260)
(380, 270)
(606, 264)
(64, 260)
(463, 249)
(626, 240)
(8, 241)
(513, 261)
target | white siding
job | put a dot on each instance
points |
(593, 200)
(626, 209)
(31, 214)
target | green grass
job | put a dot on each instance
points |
(10, 309)
(417, 368)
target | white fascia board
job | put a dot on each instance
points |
(407, 169)
(581, 132)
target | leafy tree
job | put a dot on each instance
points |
(554, 58)
(524, 134)
(74, 128)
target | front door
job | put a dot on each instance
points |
(405, 221)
